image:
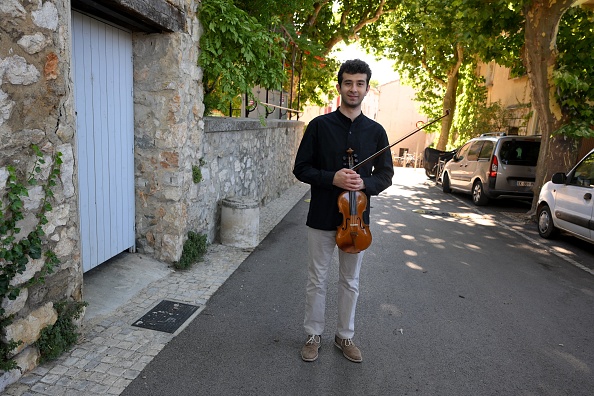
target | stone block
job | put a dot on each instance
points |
(14, 306)
(26, 361)
(32, 268)
(28, 329)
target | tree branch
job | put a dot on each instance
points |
(365, 20)
(317, 8)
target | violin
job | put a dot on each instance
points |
(353, 235)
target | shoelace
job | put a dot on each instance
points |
(312, 340)
(347, 342)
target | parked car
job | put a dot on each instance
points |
(493, 165)
(565, 203)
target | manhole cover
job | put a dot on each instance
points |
(167, 316)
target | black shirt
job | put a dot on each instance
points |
(321, 154)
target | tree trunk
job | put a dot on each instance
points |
(557, 153)
(449, 102)
(449, 99)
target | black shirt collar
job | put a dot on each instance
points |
(344, 118)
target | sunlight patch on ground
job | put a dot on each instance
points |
(414, 266)
(463, 218)
(398, 192)
(388, 222)
(561, 250)
(434, 240)
(472, 247)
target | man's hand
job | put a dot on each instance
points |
(348, 179)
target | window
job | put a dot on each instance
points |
(462, 153)
(584, 173)
(486, 151)
(475, 149)
(519, 152)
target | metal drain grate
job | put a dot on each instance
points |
(167, 316)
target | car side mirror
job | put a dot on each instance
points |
(558, 178)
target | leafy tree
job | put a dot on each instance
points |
(436, 43)
(272, 44)
(552, 92)
(540, 54)
(237, 53)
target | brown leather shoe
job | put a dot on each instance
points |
(348, 348)
(309, 352)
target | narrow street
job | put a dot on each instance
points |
(454, 301)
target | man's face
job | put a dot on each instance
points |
(353, 89)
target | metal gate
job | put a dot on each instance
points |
(102, 63)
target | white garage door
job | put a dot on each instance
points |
(102, 61)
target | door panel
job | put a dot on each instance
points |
(102, 62)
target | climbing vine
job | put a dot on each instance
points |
(16, 250)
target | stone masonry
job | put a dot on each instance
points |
(36, 108)
(236, 157)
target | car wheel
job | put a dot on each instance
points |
(546, 228)
(478, 194)
(445, 184)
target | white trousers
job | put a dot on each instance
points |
(321, 247)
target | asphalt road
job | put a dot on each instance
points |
(454, 301)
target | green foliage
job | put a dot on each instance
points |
(197, 172)
(62, 335)
(574, 76)
(429, 39)
(6, 348)
(474, 116)
(237, 53)
(193, 251)
(278, 44)
(16, 251)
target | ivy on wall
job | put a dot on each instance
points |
(17, 251)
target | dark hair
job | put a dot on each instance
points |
(354, 66)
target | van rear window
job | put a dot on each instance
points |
(518, 152)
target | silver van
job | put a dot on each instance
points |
(493, 165)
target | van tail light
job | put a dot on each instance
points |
(494, 167)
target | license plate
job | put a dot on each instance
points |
(525, 184)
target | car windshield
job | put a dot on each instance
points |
(519, 152)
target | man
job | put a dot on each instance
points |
(320, 163)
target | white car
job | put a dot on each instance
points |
(565, 203)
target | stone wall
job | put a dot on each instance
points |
(243, 158)
(168, 110)
(36, 108)
(237, 157)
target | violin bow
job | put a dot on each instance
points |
(447, 113)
